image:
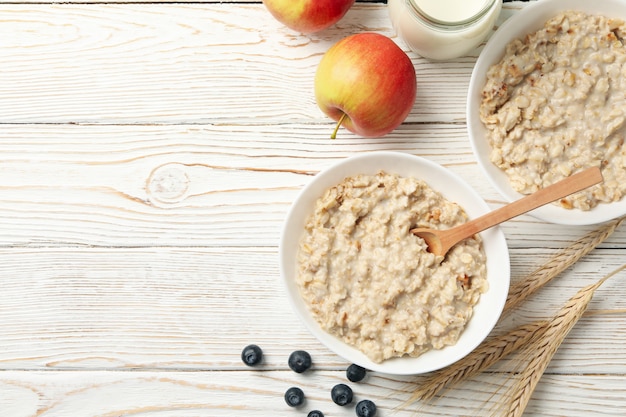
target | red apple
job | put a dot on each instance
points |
(308, 16)
(366, 83)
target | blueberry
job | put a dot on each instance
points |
(294, 397)
(299, 361)
(365, 408)
(341, 394)
(355, 373)
(251, 355)
(315, 413)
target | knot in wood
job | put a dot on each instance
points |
(168, 183)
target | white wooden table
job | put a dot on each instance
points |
(148, 155)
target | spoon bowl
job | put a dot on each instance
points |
(441, 241)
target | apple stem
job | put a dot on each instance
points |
(334, 134)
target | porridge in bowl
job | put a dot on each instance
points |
(370, 282)
(556, 104)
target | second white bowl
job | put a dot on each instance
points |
(453, 188)
(528, 20)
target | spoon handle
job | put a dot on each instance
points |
(563, 188)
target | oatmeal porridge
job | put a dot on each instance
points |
(556, 104)
(369, 281)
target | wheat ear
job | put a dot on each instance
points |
(546, 346)
(498, 347)
(558, 263)
(486, 354)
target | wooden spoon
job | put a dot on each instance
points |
(440, 241)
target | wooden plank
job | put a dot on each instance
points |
(152, 2)
(187, 63)
(196, 308)
(199, 185)
(259, 393)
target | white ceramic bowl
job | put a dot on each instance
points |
(453, 188)
(528, 20)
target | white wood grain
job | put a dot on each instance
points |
(169, 1)
(143, 185)
(169, 308)
(260, 392)
(190, 63)
(149, 152)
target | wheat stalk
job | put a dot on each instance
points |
(486, 354)
(497, 347)
(558, 263)
(544, 348)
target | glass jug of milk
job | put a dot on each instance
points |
(443, 29)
